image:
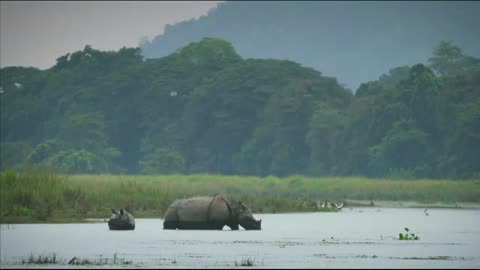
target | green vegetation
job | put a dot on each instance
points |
(53, 259)
(248, 262)
(41, 259)
(37, 194)
(34, 196)
(205, 110)
(407, 235)
(99, 261)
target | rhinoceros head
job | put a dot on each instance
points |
(119, 215)
(121, 220)
(246, 219)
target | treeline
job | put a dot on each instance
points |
(204, 109)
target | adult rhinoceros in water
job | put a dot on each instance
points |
(209, 213)
(121, 220)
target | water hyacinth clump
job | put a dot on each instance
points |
(407, 235)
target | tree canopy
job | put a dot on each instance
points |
(205, 109)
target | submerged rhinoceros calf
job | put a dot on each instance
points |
(121, 220)
(209, 213)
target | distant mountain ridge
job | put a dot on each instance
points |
(352, 41)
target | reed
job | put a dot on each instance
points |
(44, 195)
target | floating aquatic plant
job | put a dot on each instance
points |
(407, 235)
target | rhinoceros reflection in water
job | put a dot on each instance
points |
(209, 213)
(121, 220)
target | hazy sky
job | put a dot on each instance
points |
(35, 33)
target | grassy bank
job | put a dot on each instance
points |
(47, 197)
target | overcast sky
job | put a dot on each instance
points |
(35, 33)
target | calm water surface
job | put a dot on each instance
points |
(352, 238)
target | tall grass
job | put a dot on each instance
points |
(44, 194)
(33, 193)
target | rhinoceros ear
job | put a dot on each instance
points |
(121, 212)
(115, 212)
(243, 206)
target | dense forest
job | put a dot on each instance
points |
(354, 41)
(205, 109)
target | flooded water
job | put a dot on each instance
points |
(351, 238)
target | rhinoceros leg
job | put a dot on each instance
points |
(233, 227)
(194, 225)
(217, 225)
(171, 219)
(169, 225)
(220, 214)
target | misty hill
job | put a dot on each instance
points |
(205, 109)
(352, 41)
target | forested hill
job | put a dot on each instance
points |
(205, 109)
(354, 41)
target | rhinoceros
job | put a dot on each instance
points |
(209, 213)
(121, 220)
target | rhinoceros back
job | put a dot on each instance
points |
(201, 212)
(194, 209)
